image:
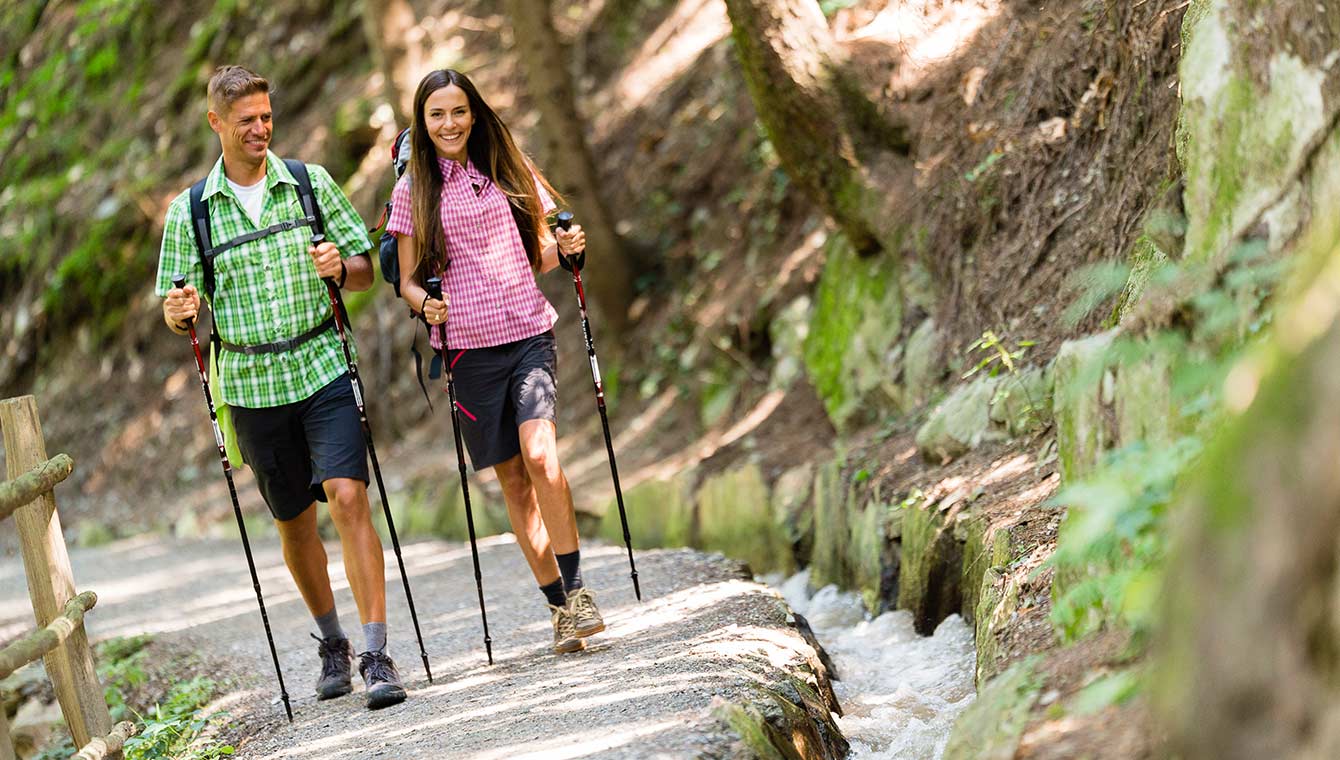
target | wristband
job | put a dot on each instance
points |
(577, 260)
(423, 306)
(344, 275)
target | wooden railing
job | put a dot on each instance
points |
(60, 640)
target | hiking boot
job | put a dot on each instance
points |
(380, 680)
(336, 660)
(585, 617)
(565, 633)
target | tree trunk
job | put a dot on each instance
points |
(387, 24)
(545, 62)
(816, 116)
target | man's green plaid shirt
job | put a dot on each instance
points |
(265, 290)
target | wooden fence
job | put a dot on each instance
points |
(60, 640)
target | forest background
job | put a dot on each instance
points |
(945, 300)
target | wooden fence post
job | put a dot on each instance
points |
(50, 582)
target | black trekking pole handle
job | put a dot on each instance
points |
(434, 287)
(564, 220)
(179, 282)
(356, 382)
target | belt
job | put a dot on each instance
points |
(280, 345)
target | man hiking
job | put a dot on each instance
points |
(281, 368)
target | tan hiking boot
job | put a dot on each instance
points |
(585, 616)
(565, 633)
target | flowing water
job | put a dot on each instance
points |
(900, 691)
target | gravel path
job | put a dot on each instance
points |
(642, 689)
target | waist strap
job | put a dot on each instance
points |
(280, 345)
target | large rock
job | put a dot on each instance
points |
(832, 530)
(1083, 397)
(991, 727)
(736, 519)
(930, 565)
(961, 422)
(853, 335)
(989, 408)
(660, 513)
(1260, 91)
(793, 509)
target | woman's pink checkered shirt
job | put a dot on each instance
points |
(490, 287)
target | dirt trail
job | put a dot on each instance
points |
(643, 689)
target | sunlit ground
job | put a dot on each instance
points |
(648, 681)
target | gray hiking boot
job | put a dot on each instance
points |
(585, 616)
(380, 679)
(336, 661)
(565, 633)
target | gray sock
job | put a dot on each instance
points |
(329, 624)
(375, 636)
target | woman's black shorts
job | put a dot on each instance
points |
(293, 448)
(500, 387)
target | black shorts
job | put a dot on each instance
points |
(500, 387)
(293, 448)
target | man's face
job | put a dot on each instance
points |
(244, 127)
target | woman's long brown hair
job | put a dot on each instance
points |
(493, 152)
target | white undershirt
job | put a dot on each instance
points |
(252, 198)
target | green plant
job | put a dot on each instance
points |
(171, 727)
(997, 356)
(1115, 540)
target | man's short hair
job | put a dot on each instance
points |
(231, 83)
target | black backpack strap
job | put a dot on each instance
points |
(200, 227)
(203, 241)
(310, 207)
(312, 210)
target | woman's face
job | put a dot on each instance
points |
(447, 115)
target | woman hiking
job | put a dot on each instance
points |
(471, 210)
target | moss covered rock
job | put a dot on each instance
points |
(930, 566)
(923, 364)
(784, 721)
(792, 509)
(985, 549)
(735, 518)
(875, 552)
(1081, 404)
(660, 513)
(990, 729)
(961, 422)
(832, 529)
(1257, 98)
(855, 327)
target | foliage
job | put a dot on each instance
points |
(1118, 525)
(997, 355)
(1116, 536)
(167, 730)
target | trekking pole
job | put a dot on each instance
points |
(564, 222)
(337, 306)
(434, 287)
(179, 281)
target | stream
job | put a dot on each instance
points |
(901, 692)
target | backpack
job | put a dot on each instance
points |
(388, 252)
(388, 255)
(208, 251)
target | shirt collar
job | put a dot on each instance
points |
(275, 173)
(449, 167)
